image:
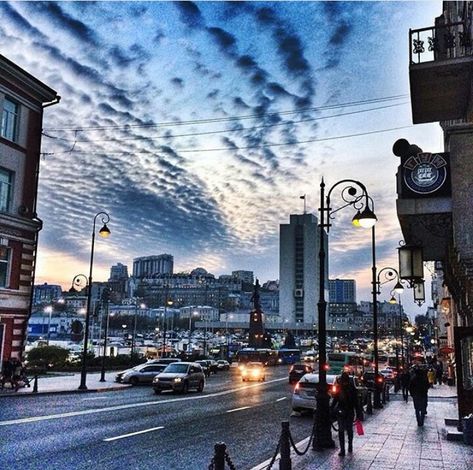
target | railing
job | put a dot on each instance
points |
(441, 42)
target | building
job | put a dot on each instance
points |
(434, 185)
(149, 266)
(22, 102)
(46, 293)
(299, 269)
(342, 291)
(244, 276)
(118, 282)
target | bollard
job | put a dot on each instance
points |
(219, 456)
(35, 384)
(387, 394)
(285, 447)
(369, 406)
(383, 394)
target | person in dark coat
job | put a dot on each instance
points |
(405, 380)
(439, 371)
(345, 405)
(418, 388)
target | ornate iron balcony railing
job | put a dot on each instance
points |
(441, 42)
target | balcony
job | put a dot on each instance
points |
(440, 72)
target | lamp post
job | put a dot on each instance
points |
(105, 303)
(103, 232)
(167, 302)
(366, 218)
(49, 311)
(389, 275)
(133, 339)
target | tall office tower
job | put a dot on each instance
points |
(149, 266)
(244, 276)
(299, 269)
(342, 291)
(118, 272)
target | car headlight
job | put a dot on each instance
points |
(156, 379)
(177, 380)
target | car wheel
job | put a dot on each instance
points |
(134, 381)
(157, 391)
(200, 388)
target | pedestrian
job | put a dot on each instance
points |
(405, 379)
(345, 406)
(439, 372)
(431, 377)
(418, 388)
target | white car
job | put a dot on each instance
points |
(303, 397)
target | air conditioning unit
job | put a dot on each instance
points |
(298, 292)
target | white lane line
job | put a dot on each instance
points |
(238, 409)
(133, 405)
(281, 399)
(109, 439)
(94, 398)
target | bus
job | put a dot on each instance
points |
(288, 356)
(350, 362)
(268, 357)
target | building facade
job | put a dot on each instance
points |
(299, 269)
(244, 276)
(342, 291)
(46, 293)
(22, 102)
(149, 266)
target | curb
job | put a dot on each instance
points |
(64, 392)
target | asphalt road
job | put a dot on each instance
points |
(134, 428)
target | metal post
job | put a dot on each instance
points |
(166, 287)
(102, 373)
(369, 406)
(134, 328)
(377, 398)
(35, 384)
(219, 456)
(285, 447)
(323, 431)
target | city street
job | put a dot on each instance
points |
(135, 428)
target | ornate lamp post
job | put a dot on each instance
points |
(103, 232)
(365, 218)
(389, 274)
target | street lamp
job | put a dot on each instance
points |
(133, 339)
(103, 232)
(364, 217)
(190, 329)
(49, 311)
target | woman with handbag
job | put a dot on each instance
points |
(345, 406)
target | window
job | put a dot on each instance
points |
(10, 120)
(6, 182)
(4, 259)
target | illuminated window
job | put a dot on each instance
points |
(10, 115)
(4, 261)
(6, 183)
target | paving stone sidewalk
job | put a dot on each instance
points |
(393, 440)
(67, 384)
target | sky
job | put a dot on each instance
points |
(197, 126)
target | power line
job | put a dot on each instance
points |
(224, 131)
(229, 118)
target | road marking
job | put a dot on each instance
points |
(238, 409)
(281, 399)
(109, 439)
(35, 419)
(94, 398)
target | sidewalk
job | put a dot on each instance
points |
(67, 384)
(393, 440)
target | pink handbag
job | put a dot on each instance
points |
(359, 428)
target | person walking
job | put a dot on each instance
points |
(419, 388)
(439, 371)
(345, 405)
(405, 380)
(431, 377)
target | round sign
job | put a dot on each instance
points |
(425, 173)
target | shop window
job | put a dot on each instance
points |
(10, 115)
(4, 265)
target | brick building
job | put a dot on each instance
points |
(22, 101)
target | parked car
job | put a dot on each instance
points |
(297, 371)
(388, 374)
(180, 377)
(205, 366)
(142, 374)
(213, 366)
(369, 380)
(253, 371)
(165, 360)
(303, 397)
(361, 389)
(223, 365)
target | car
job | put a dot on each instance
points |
(369, 380)
(213, 366)
(223, 365)
(253, 371)
(297, 371)
(388, 374)
(164, 360)
(180, 377)
(142, 374)
(205, 367)
(303, 397)
(361, 388)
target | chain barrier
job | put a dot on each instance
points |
(229, 461)
(212, 464)
(296, 450)
(273, 458)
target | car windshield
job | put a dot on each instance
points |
(176, 368)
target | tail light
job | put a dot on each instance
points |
(334, 388)
(379, 379)
(326, 367)
(296, 389)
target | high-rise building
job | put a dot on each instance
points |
(118, 272)
(46, 293)
(299, 269)
(149, 266)
(342, 291)
(22, 102)
(244, 276)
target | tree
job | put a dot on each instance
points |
(47, 357)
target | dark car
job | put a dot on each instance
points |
(205, 367)
(368, 379)
(180, 377)
(297, 371)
